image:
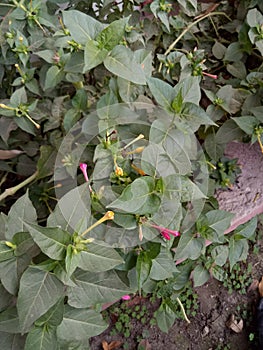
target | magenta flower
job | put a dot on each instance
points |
(126, 297)
(83, 168)
(165, 232)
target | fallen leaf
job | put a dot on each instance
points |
(260, 287)
(253, 286)
(233, 324)
(9, 154)
(144, 345)
(112, 345)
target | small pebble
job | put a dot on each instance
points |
(205, 331)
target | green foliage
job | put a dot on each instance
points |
(130, 89)
(225, 172)
(239, 278)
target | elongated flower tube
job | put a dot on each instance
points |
(126, 297)
(83, 168)
(165, 232)
(212, 76)
(107, 216)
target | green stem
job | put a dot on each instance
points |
(183, 310)
(6, 5)
(12, 190)
(170, 48)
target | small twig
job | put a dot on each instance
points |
(170, 48)
(183, 310)
(12, 190)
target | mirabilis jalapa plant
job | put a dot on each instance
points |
(133, 75)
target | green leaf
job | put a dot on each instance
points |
(190, 90)
(41, 338)
(54, 76)
(246, 123)
(39, 291)
(237, 69)
(52, 241)
(246, 230)
(254, 17)
(71, 260)
(5, 298)
(213, 149)
(200, 275)
(189, 246)
(238, 251)
(219, 220)
(22, 210)
(5, 252)
(81, 26)
(219, 273)
(46, 161)
(138, 198)
(127, 90)
(144, 57)
(218, 50)
(53, 316)
(24, 244)
(96, 288)
(112, 34)
(47, 55)
(11, 271)
(9, 321)
(18, 97)
(75, 66)
(232, 98)
(228, 132)
(156, 162)
(220, 254)
(234, 52)
(72, 211)
(99, 258)
(79, 325)
(11, 341)
(93, 55)
(165, 317)
(163, 266)
(143, 268)
(162, 92)
(122, 63)
(191, 117)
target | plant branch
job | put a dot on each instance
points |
(12, 190)
(170, 48)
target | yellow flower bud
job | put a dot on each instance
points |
(118, 171)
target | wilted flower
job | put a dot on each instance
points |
(213, 76)
(118, 170)
(126, 297)
(165, 232)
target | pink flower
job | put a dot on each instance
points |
(165, 232)
(213, 76)
(126, 297)
(83, 168)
